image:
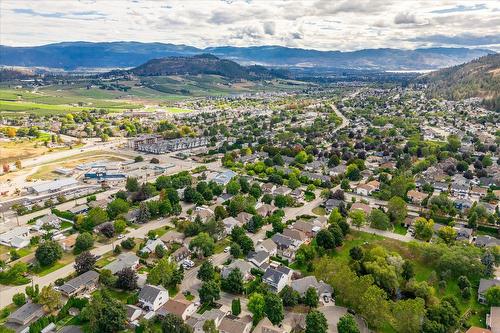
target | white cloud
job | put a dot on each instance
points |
(320, 24)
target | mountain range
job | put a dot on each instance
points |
(76, 55)
(202, 64)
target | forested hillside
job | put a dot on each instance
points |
(478, 78)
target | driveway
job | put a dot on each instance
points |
(333, 314)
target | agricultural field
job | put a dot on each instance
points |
(11, 151)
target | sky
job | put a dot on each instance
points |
(344, 25)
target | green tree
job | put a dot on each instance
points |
(325, 239)
(316, 322)
(353, 172)
(234, 282)
(117, 207)
(163, 273)
(289, 296)
(408, 315)
(19, 299)
(206, 272)
(236, 307)
(50, 299)
(379, 220)
(311, 298)
(256, 305)
(105, 313)
(492, 296)
(202, 244)
(447, 234)
(274, 308)
(358, 218)
(132, 185)
(374, 307)
(174, 324)
(48, 253)
(423, 228)
(83, 242)
(209, 292)
(97, 216)
(233, 187)
(209, 326)
(347, 324)
(396, 208)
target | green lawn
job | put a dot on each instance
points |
(319, 211)
(399, 229)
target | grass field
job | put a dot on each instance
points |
(12, 151)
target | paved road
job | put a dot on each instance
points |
(6, 292)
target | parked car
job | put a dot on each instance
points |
(226, 250)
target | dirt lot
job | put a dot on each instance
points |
(18, 150)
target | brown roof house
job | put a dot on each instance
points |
(179, 306)
(416, 196)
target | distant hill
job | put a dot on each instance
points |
(74, 55)
(478, 78)
(201, 64)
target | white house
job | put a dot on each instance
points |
(17, 237)
(151, 298)
(277, 277)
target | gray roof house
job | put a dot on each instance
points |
(151, 297)
(151, 245)
(20, 319)
(277, 277)
(242, 265)
(486, 241)
(124, 260)
(484, 285)
(224, 177)
(259, 258)
(301, 286)
(84, 283)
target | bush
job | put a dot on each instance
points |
(19, 299)
(128, 244)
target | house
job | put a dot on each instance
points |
(173, 237)
(124, 260)
(265, 326)
(51, 221)
(20, 319)
(242, 265)
(178, 306)
(314, 166)
(463, 204)
(151, 298)
(301, 286)
(259, 258)
(196, 321)
(295, 234)
(297, 194)
(440, 186)
(338, 170)
(282, 190)
(277, 277)
(267, 245)
(224, 178)
(464, 234)
(82, 284)
(286, 246)
(151, 245)
(133, 312)
(364, 189)
(68, 244)
(229, 224)
(243, 217)
(493, 319)
(204, 213)
(416, 196)
(80, 209)
(459, 190)
(478, 192)
(180, 254)
(268, 188)
(233, 324)
(361, 206)
(486, 241)
(17, 237)
(484, 285)
(331, 204)
(265, 210)
(309, 228)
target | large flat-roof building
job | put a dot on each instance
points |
(52, 186)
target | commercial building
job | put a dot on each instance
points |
(52, 186)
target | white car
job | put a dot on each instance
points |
(120, 236)
(226, 250)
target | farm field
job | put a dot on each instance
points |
(17, 150)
